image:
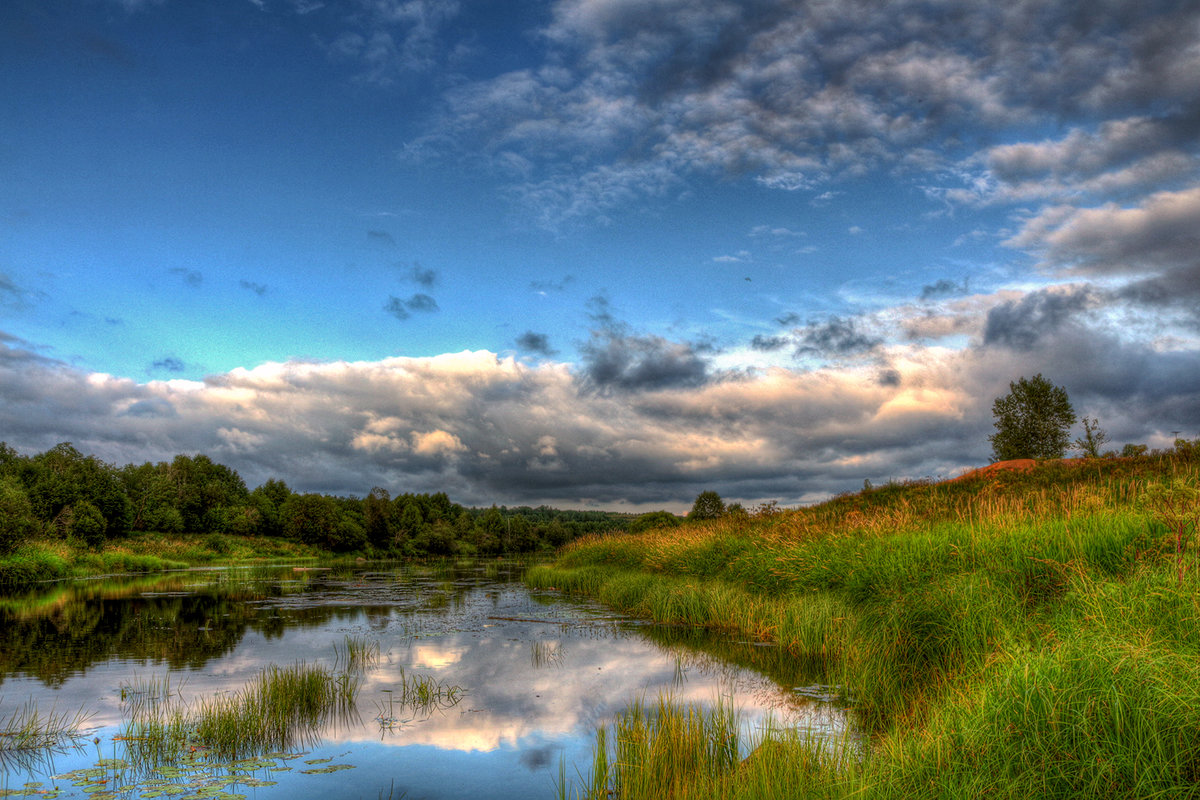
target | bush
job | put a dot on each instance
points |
(87, 524)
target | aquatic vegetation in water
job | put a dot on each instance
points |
(416, 696)
(356, 653)
(282, 708)
(28, 729)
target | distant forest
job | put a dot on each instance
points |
(64, 493)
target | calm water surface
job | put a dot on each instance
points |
(538, 674)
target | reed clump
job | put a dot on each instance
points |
(281, 708)
(1014, 635)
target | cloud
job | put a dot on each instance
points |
(632, 100)
(943, 287)
(535, 343)
(168, 364)
(1161, 233)
(490, 429)
(1021, 324)
(630, 362)
(767, 344)
(401, 309)
(420, 275)
(391, 40)
(190, 277)
(837, 336)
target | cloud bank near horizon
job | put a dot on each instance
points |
(490, 428)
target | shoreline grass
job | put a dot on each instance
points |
(56, 559)
(1011, 636)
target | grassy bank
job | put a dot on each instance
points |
(50, 559)
(1014, 635)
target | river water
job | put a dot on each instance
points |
(528, 677)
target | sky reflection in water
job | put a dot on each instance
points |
(539, 673)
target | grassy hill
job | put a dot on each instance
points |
(1016, 634)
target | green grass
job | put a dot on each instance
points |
(282, 708)
(1030, 635)
(28, 729)
(53, 559)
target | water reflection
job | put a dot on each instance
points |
(537, 674)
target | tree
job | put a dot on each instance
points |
(1092, 440)
(708, 505)
(1032, 420)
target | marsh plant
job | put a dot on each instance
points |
(282, 708)
(415, 696)
(27, 729)
(356, 654)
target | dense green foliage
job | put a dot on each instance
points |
(1013, 635)
(63, 495)
(1032, 420)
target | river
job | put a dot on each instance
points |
(527, 678)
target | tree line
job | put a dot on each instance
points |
(66, 494)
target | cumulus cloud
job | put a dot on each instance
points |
(1161, 233)
(1021, 324)
(491, 429)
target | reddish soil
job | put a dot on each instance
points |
(1018, 464)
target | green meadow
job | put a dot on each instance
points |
(1011, 635)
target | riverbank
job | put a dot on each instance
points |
(51, 559)
(1016, 635)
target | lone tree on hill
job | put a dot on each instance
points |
(708, 505)
(1032, 420)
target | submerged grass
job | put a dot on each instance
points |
(1012, 636)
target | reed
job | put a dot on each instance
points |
(356, 654)
(28, 729)
(281, 708)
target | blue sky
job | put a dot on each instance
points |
(592, 252)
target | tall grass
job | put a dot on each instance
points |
(280, 709)
(27, 729)
(1018, 635)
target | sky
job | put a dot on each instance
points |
(593, 253)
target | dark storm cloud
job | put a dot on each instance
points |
(259, 289)
(632, 362)
(532, 342)
(837, 336)
(190, 277)
(1022, 324)
(402, 309)
(614, 357)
